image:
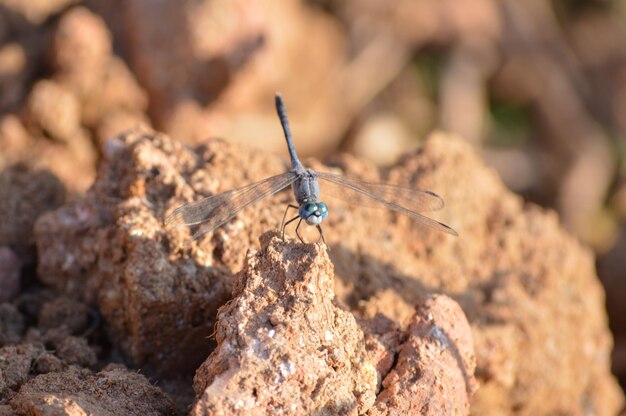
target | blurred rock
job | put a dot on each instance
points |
(12, 74)
(381, 140)
(48, 363)
(611, 266)
(84, 62)
(63, 313)
(210, 74)
(36, 11)
(283, 344)
(72, 162)
(25, 194)
(10, 272)
(54, 110)
(75, 350)
(12, 324)
(77, 391)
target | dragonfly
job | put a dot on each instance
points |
(216, 210)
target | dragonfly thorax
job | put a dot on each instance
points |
(313, 212)
(305, 188)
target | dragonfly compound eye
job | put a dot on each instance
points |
(307, 209)
(323, 209)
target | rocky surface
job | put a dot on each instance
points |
(26, 194)
(284, 346)
(112, 391)
(49, 368)
(528, 289)
(434, 369)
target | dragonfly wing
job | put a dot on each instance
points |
(216, 210)
(404, 200)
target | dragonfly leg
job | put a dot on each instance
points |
(297, 233)
(282, 224)
(319, 228)
(289, 222)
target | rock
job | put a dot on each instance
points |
(84, 62)
(63, 312)
(159, 307)
(10, 271)
(528, 289)
(75, 350)
(284, 346)
(36, 11)
(522, 281)
(72, 162)
(13, 74)
(48, 363)
(25, 194)
(11, 324)
(224, 52)
(113, 391)
(434, 369)
(15, 365)
(53, 109)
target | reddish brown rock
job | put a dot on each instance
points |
(36, 11)
(284, 346)
(113, 391)
(14, 72)
(64, 313)
(159, 307)
(11, 324)
(75, 350)
(528, 289)
(85, 64)
(434, 369)
(25, 194)
(48, 363)
(54, 110)
(15, 366)
(10, 268)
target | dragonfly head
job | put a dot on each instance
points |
(313, 212)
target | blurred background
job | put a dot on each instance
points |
(539, 87)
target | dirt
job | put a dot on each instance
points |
(527, 288)
(112, 391)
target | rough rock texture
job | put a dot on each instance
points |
(114, 252)
(284, 346)
(45, 370)
(15, 364)
(113, 391)
(528, 289)
(434, 372)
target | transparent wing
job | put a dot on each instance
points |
(414, 199)
(216, 210)
(406, 201)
